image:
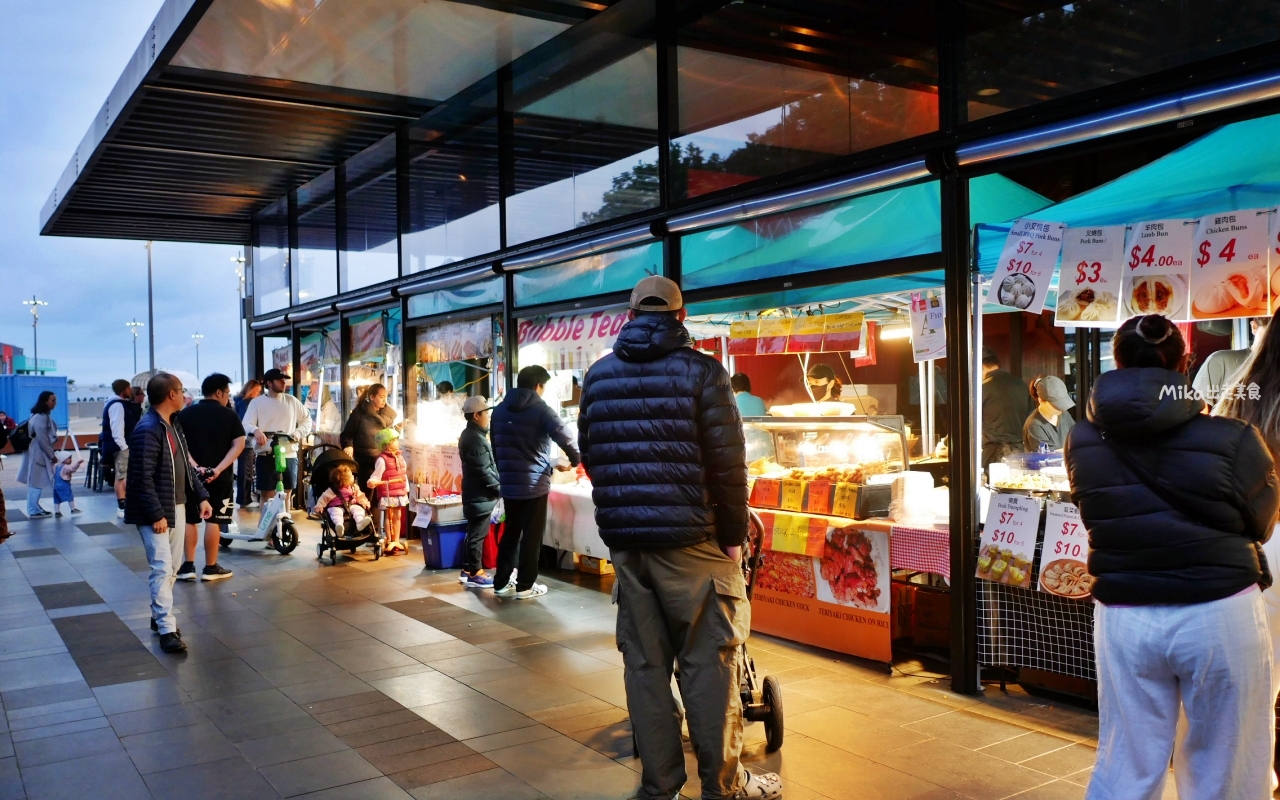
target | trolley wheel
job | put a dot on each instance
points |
(333, 556)
(286, 539)
(772, 697)
(320, 551)
(224, 542)
(377, 552)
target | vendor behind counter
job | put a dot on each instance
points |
(1051, 421)
(1005, 406)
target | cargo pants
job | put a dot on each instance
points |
(685, 607)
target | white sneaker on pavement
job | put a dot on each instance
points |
(536, 590)
(765, 786)
(506, 591)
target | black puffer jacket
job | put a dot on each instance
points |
(149, 487)
(480, 485)
(1144, 551)
(662, 439)
(522, 427)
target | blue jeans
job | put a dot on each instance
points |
(164, 554)
(33, 502)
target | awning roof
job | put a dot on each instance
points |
(228, 104)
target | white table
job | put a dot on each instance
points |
(571, 520)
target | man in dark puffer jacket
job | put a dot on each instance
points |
(522, 429)
(662, 439)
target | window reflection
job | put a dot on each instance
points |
(1024, 52)
(586, 151)
(271, 258)
(317, 254)
(320, 379)
(769, 89)
(370, 253)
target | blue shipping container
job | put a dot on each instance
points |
(18, 393)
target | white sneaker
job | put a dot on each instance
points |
(536, 590)
(254, 504)
(119, 513)
(506, 591)
(233, 528)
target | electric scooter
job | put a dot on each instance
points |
(275, 525)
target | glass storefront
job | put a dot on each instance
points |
(316, 257)
(374, 343)
(271, 258)
(371, 250)
(320, 379)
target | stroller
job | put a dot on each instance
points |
(322, 460)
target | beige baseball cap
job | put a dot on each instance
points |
(656, 293)
(476, 403)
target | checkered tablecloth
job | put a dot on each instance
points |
(921, 549)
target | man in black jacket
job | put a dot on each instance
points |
(160, 483)
(662, 439)
(480, 488)
(523, 429)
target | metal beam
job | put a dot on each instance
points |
(299, 104)
(177, 151)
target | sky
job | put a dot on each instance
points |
(58, 61)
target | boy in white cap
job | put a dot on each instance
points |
(480, 488)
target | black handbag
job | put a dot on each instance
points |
(1177, 503)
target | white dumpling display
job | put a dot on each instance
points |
(1068, 307)
(1214, 298)
(1100, 311)
(1248, 287)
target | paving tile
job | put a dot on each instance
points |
(391, 733)
(162, 718)
(326, 689)
(1058, 790)
(65, 595)
(405, 633)
(122, 697)
(869, 699)
(383, 706)
(477, 678)
(271, 656)
(470, 664)
(262, 730)
(45, 695)
(590, 705)
(178, 747)
(394, 672)
(841, 775)
(566, 770)
(497, 741)
(607, 685)
(306, 672)
(1028, 745)
(420, 690)
(369, 657)
(967, 730)
(1066, 761)
(598, 719)
(469, 717)
(229, 779)
(379, 752)
(243, 710)
(441, 650)
(319, 772)
(109, 775)
(90, 711)
(60, 729)
(361, 613)
(339, 703)
(971, 773)
(531, 693)
(285, 747)
(377, 789)
(29, 673)
(441, 771)
(853, 732)
(11, 779)
(318, 628)
(480, 786)
(66, 747)
(415, 759)
(556, 661)
(372, 722)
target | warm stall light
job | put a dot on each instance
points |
(902, 331)
(866, 449)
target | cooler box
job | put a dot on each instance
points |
(442, 545)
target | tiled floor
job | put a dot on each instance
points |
(385, 680)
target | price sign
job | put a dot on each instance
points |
(1092, 272)
(1026, 265)
(1009, 540)
(766, 493)
(792, 495)
(790, 533)
(806, 334)
(774, 332)
(818, 498)
(742, 337)
(1157, 263)
(1229, 276)
(1065, 556)
(928, 336)
(1273, 258)
(846, 501)
(843, 332)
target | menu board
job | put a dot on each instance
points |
(1229, 274)
(774, 332)
(1064, 560)
(843, 332)
(1156, 271)
(928, 334)
(1089, 285)
(806, 333)
(1026, 266)
(1009, 540)
(1273, 258)
(742, 337)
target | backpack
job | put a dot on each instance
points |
(20, 438)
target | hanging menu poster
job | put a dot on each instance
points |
(1009, 540)
(1022, 277)
(1064, 560)
(928, 334)
(844, 332)
(1229, 273)
(806, 333)
(1092, 271)
(742, 337)
(774, 332)
(1273, 258)
(1155, 275)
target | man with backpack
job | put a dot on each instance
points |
(119, 417)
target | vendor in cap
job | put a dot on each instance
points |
(1051, 421)
(823, 384)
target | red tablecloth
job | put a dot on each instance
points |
(921, 549)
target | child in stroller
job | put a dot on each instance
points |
(343, 498)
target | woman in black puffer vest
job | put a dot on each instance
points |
(1176, 504)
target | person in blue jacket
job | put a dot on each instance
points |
(522, 429)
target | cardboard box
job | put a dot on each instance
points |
(592, 565)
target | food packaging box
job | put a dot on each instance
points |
(592, 565)
(902, 606)
(446, 510)
(931, 618)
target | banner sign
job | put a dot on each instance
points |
(1026, 266)
(1009, 540)
(1229, 276)
(1156, 271)
(928, 331)
(570, 341)
(456, 341)
(1089, 285)
(1064, 559)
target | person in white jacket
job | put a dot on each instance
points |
(276, 412)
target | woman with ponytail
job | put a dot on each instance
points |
(1176, 504)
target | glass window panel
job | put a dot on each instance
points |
(271, 258)
(1024, 52)
(453, 188)
(374, 342)
(320, 379)
(585, 148)
(429, 50)
(913, 281)
(472, 295)
(277, 353)
(766, 89)
(616, 271)
(317, 253)
(891, 224)
(371, 252)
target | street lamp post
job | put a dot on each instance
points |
(151, 316)
(197, 337)
(244, 368)
(35, 328)
(133, 326)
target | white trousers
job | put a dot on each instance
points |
(1212, 660)
(164, 554)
